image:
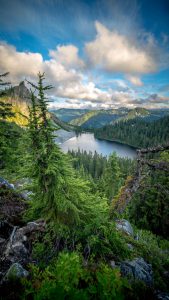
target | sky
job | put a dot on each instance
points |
(97, 54)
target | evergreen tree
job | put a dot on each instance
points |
(149, 207)
(8, 131)
(112, 177)
(59, 196)
(138, 133)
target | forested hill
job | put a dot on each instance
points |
(89, 119)
(137, 133)
(68, 114)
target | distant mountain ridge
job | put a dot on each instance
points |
(69, 119)
(99, 118)
(67, 115)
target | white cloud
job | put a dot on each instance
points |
(68, 56)
(19, 64)
(76, 89)
(116, 53)
(57, 73)
(28, 64)
(83, 91)
(134, 80)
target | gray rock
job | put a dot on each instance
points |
(26, 195)
(130, 246)
(16, 249)
(124, 226)
(112, 264)
(137, 269)
(4, 182)
(2, 241)
(19, 250)
(21, 92)
(16, 271)
(161, 295)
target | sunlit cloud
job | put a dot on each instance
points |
(68, 56)
(114, 52)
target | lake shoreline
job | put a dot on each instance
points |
(109, 140)
(86, 141)
(116, 141)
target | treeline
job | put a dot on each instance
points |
(107, 175)
(137, 133)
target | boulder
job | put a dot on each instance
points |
(137, 269)
(17, 245)
(4, 182)
(124, 226)
(16, 271)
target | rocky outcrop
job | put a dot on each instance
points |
(18, 243)
(15, 272)
(16, 237)
(124, 226)
(137, 269)
(21, 92)
(16, 246)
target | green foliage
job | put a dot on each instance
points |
(137, 133)
(106, 176)
(155, 251)
(72, 255)
(112, 177)
(149, 208)
(59, 195)
(5, 108)
(9, 132)
(82, 119)
(67, 278)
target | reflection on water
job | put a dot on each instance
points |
(87, 141)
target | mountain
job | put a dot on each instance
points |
(60, 123)
(67, 114)
(99, 118)
(19, 96)
(20, 93)
(138, 112)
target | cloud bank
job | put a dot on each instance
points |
(75, 79)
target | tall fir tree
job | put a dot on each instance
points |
(59, 196)
(112, 177)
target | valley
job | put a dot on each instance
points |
(75, 192)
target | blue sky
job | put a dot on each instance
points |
(96, 54)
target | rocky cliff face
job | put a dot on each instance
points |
(21, 92)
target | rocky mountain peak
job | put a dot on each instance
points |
(21, 92)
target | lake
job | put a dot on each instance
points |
(87, 141)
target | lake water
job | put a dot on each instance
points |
(87, 141)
